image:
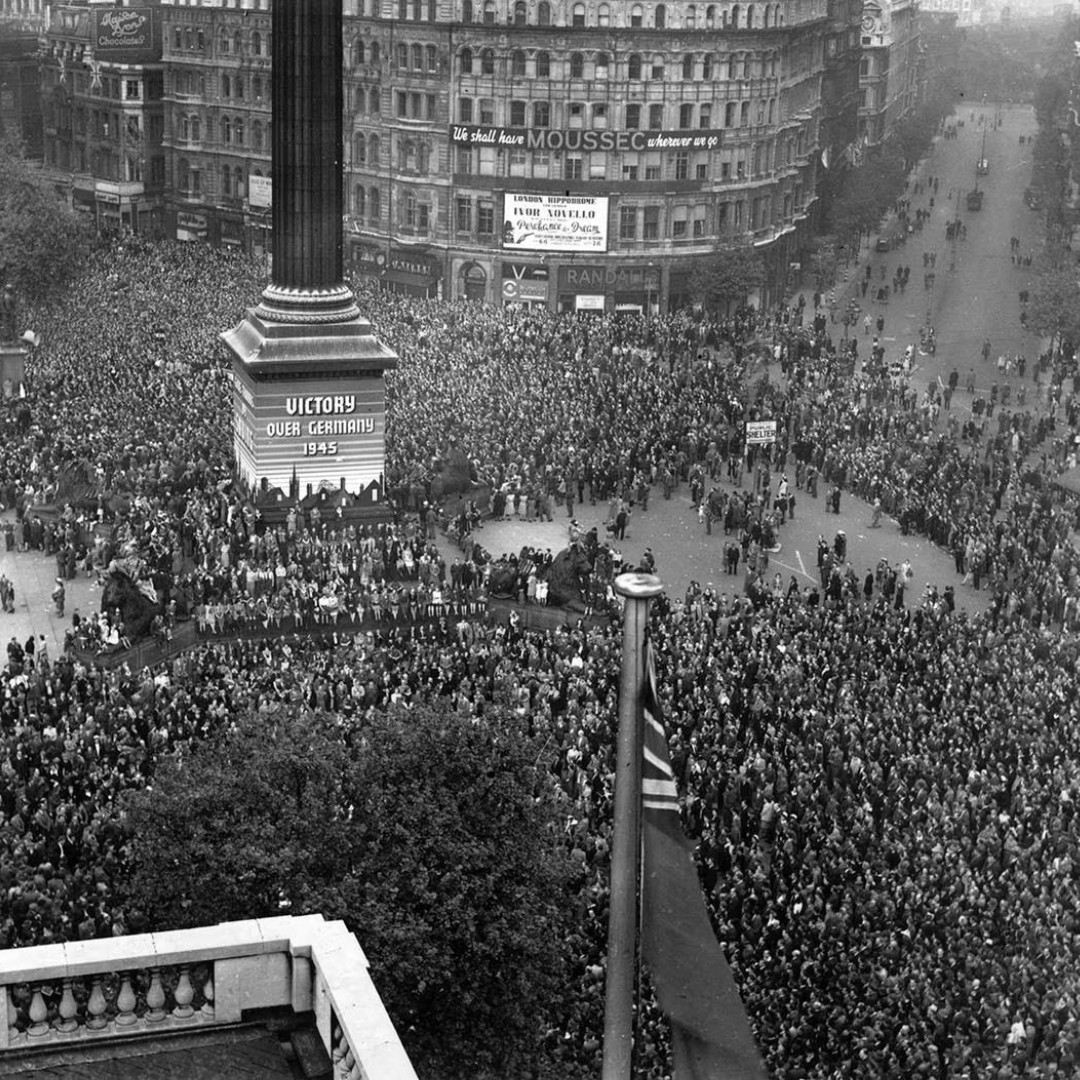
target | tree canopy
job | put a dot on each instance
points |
(729, 275)
(434, 838)
(42, 241)
(1054, 307)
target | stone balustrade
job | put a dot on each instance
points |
(148, 983)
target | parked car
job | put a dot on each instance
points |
(883, 244)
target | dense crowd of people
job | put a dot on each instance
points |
(881, 788)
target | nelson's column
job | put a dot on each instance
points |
(309, 400)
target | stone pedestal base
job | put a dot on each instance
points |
(309, 413)
(12, 370)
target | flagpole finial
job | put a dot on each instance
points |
(638, 586)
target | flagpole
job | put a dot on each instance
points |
(637, 590)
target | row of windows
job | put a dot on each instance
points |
(693, 17)
(599, 115)
(234, 87)
(189, 179)
(735, 66)
(192, 128)
(193, 39)
(734, 164)
(412, 155)
(417, 58)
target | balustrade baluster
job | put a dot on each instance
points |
(184, 995)
(208, 993)
(155, 998)
(38, 1015)
(125, 1003)
(69, 1010)
(96, 1007)
(14, 1034)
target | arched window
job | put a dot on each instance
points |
(489, 12)
(183, 175)
(707, 66)
(691, 17)
(432, 10)
(765, 11)
(178, 37)
(735, 13)
(543, 65)
(657, 68)
(237, 43)
(257, 87)
(603, 15)
(403, 9)
(223, 43)
(423, 158)
(226, 129)
(373, 150)
(601, 65)
(705, 115)
(238, 131)
(256, 136)
(238, 182)
(360, 149)
(256, 43)
(578, 15)
(636, 15)
(487, 62)
(226, 86)
(688, 66)
(226, 180)
(359, 201)
(374, 208)
(196, 129)
(520, 13)
(402, 57)
(374, 52)
(465, 61)
(466, 11)
(732, 67)
(661, 16)
(185, 128)
(517, 64)
(543, 13)
(418, 57)
(749, 16)
(577, 65)
(710, 17)
(374, 102)
(633, 66)
(432, 58)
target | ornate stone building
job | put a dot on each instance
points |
(890, 66)
(581, 155)
(102, 110)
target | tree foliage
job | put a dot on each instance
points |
(1054, 307)
(432, 837)
(43, 243)
(733, 270)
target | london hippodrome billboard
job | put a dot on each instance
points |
(554, 222)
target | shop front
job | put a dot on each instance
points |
(627, 290)
(414, 272)
(525, 285)
(366, 259)
(191, 227)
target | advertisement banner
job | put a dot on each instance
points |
(298, 428)
(125, 35)
(581, 139)
(555, 222)
(260, 191)
(761, 431)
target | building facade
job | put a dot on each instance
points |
(890, 67)
(102, 112)
(217, 121)
(575, 155)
